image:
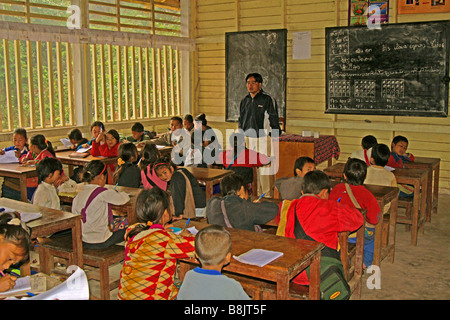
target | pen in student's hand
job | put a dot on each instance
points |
(260, 197)
(339, 200)
(187, 223)
(116, 186)
(31, 294)
(1, 272)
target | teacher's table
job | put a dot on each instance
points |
(416, 177)
(15, 170)
(51, 221)
(127, 208)
(433, 166)
(209, 177)
(293, 146)
(64, 157)
(297, 255)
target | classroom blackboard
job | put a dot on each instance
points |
(263, 52)
(400, 69)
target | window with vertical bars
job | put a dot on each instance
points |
(127, 82)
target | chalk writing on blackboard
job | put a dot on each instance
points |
(400, 69)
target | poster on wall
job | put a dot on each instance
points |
(362, 13)
(422, 6)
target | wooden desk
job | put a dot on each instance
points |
(293, 146)
(51, 221)
(433, 167)
(63, 156)
(127, 208)
(209, 177)
(15, 170)
(298, 255)
(416, 177)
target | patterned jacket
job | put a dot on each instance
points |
(150, 263)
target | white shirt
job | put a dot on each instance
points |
(46, 196)
(95, 229)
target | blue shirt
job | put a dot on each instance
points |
(204, 284)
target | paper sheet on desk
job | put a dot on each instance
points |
(258, 257)
(76, 287)
(24, 216)
(158, 146)
(22, 284)
(9, 157)
(83, 150)
(192, 230)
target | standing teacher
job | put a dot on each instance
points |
(258, 116)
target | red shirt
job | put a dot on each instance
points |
(103, 150)
(322, 219)
(246, 158)
(364, 197)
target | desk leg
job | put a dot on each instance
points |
(314, 278)
(415, 213)
(423, 207)
(392, 228)
(23, 187)
(282, 287)
(429, 195)
(434, 203)
(378, 241)
(77, 244)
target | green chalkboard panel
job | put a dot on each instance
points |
(263, 52)
(399, 69)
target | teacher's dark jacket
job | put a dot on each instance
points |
(258, 113)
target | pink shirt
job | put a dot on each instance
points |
(152, 176)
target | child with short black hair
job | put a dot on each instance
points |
(40, 148)
(315, 217)
(366, 143)
(240, 212)
(127, 173)
(76, 139)
(138, 134)
(188, 198)
(109, 149)
(397, 159)
(15, 244)
(377, 173)
(290, 188)
(48, 171)
(152, 250)
(354, 194)
(11, 186)
(93, 203)
(213, 251)
(97, 131)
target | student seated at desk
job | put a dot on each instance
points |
(208, 138)
(138, 134)
(97, 127)
(354, 194)
(213, 251)
(76, 139)
(48, 171)
(290, 188)
(109, 149)
(188, 123)
(240, 212)
(152, 250)
(397, 160)
(366, 143)
(149, 178)
(377, 173)
(242, 160)
(11, 186)
(314, 217)
(100, 229)
(15, 244)
(189, 199)
(128, 173)
(40, 148)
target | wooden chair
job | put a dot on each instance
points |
(101, 260)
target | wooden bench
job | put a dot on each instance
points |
(101, 260)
